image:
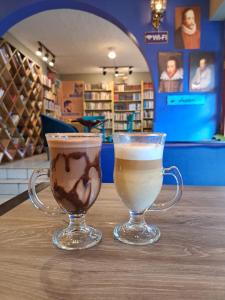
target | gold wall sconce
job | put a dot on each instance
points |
(158, 8)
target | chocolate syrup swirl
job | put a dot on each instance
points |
(76, 205)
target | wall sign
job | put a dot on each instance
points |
(186, 99)
(156, 37)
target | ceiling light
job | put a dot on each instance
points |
(52, 62)
(39, 52)
(112, 54)
(45, 57)
(104, 71)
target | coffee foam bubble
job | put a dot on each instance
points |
(139, 151)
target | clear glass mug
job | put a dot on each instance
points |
(138, 177)
(75, 179)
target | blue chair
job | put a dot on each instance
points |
(100, 127)
(52, 125)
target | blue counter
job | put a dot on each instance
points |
(199, 163)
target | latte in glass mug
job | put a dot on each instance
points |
(138, 174)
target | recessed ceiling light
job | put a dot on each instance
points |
(111, 54)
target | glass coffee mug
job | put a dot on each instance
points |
(75, 179)
(138, 177)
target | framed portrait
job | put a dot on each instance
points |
(78, 89)
(187, 27)
(202, 72)
(170, 72)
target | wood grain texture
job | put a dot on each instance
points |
(187, 263)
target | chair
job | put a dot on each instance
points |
(130, 120)
(52, 125)
(100, 126)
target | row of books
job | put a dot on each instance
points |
(46, 81)
(106, 114)
(125, 87)
(98, 105)
(97, 96)
(148, 95)
(49, 95)
(148, 104)
(123, 126)
(148, 86)
(49, 105)
(123, 116)
(147, 124)
(149, 114)
(130, 96)
(127, 106)
(97, 86)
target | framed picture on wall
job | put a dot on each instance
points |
(78, 89)
(170, 72)
(187, 27)
(202, 72)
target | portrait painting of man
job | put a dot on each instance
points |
(202, 72)
(170, 72)
(187, 28)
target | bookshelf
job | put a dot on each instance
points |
(98, 101)
(127, 100)
(148, 106)
(117, 101)
(20, 104)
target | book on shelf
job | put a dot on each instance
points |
(132, 97)
(106, 114)
(148, 114)
(98, 105)
(148, 85)
(97, 86)
(127, 88)
(149, 95)
(127, 106)
(97, 96)
(147, 124)
(123, 116)
(148, 105)
(46, 81)
(4, 55)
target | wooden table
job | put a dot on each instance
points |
(187, 263)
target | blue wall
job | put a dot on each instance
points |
(181, 123)
(200, 164)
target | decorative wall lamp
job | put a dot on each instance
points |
(158, 8)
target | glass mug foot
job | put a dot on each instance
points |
(76, 240)
(143, 234)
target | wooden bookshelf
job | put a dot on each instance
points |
(148, 106)
(127, 100)
(20, 104)
(98, 101)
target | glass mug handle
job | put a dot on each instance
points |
(35, 176)
(175, 173)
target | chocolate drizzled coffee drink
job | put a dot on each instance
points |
(75, 178)
(138, 174)
(75, 173)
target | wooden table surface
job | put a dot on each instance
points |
(187, 263)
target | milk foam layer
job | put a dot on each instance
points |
(139, 151)
(76, 142)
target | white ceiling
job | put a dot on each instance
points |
(79, 40)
